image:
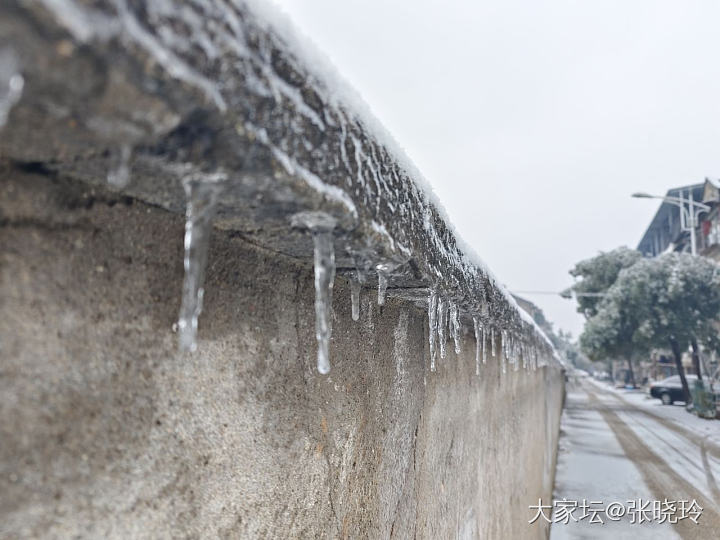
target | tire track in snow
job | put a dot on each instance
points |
(713, 449)
(700, 441)
(660, 477)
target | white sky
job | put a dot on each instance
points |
(535, 120)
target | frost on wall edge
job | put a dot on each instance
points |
(171, 101)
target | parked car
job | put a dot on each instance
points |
(670, 390)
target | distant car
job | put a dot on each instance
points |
(670, 390)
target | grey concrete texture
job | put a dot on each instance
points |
(107, 431)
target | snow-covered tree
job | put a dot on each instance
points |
(597, 275)
(672, 299)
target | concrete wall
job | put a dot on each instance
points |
(107, 431)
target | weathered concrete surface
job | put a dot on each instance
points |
(107, 431)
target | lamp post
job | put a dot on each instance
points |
(688, 216)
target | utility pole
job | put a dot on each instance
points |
(693, 224)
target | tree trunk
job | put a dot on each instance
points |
(681, 371)
(696, 358)
(631, 372)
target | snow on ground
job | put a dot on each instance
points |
(593, 466)
(709, 429)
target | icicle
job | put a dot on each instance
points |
(442, 326)
(503, 350)
(324, 278)
(484, 346)
(531, 356)
(528, 355)
(11, 83)
(363, 266)
(119, 173)
(455, 326)
(321, 225)
(382, 286)
(492, 342)
(202, 192)
(503, 344)
(384, 269)
(355, 297)
(433, 324)
(479, 334)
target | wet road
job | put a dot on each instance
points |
(614, 451)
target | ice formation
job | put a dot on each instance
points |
(492, 342)
(202, 192)
(433, 325)
(455, 326)
(119, 173)
(321, 226)
(503, 350)
(355, 287)
(484, 346)
(11, 83)
(324, 277)
(384, 269)
(382, 286)
(442, 326)
(356, 165)
(478, 343)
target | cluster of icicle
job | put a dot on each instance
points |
(203, 191)
(321, 227)
(444, 320)
(444, 316)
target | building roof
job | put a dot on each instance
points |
(662, 225)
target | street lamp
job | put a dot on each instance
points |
(688, 216)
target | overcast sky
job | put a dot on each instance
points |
(535, 120)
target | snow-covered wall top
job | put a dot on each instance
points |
(143, 96)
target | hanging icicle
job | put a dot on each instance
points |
(492, 342)
(383, 270)
(202, 192)
(442, 326)
(455, 326)
(321, 226)
(355, 296)
(484, 345)
(433, 325)
(503, 350)
(479, 335)
(382, 287)
(119, 173)
(324, 278)
(11, 83)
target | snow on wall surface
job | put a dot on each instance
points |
(159, 92)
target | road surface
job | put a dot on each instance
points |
(615, 448)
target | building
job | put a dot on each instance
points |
(670, 231)
(666, 230)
